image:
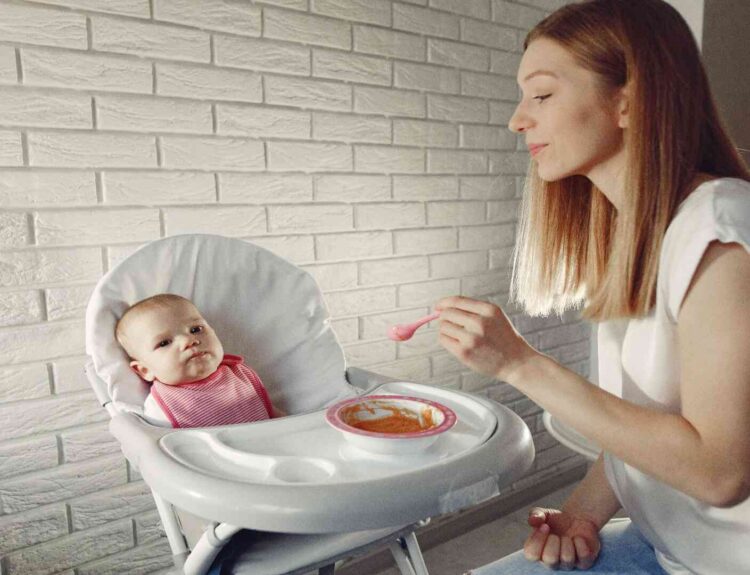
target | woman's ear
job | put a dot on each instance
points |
(623, 106)
(142, 371)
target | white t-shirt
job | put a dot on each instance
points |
(639, 361)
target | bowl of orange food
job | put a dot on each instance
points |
(390, 424)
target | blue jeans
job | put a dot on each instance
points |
(624, 550)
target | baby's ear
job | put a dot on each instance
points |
(142, 371)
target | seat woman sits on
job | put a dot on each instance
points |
(637, 207)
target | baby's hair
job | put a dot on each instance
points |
(162, 300)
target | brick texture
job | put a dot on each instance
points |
(364, 140)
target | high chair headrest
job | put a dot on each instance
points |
(262, 307)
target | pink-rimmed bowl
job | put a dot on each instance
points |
(432, 417)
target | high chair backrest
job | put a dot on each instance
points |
(261, 306)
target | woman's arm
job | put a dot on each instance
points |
(704, 451)
(714, 341)
(571, 537)
(593, 497)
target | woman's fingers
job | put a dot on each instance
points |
(537, 516)
(567, 553)
(557, 551)
(466, 304)
(481, 337)
(464, 319)
(456, 332)
(479, 325)
(586, 556)
(534, 545)
(468, 312)
(552, 547)
(551, 552)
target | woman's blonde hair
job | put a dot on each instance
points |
(573, 247)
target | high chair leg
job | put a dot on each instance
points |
(415, 553)
(171, 527)
(408, 555)
(402, 559)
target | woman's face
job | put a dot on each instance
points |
(572, 126)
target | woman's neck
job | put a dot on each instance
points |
(609, 179)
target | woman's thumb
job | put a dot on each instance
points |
(537, 516)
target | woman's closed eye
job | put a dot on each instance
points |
(541, 99)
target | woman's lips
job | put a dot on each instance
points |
(534, 149)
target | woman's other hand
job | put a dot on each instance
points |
(562, 540)
(480, 335)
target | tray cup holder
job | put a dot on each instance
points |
(303, 470)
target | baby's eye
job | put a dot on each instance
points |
(196, 329)
(164, 343)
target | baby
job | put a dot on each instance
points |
(194, 384)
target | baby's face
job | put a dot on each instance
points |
(173, 344)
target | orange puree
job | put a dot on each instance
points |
(400, 420)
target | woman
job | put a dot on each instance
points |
(637, 207)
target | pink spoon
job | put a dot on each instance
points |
(404, 331)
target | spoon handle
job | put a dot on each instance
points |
(428, 318)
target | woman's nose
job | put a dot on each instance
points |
(520, 121)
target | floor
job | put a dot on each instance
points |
(486, 543)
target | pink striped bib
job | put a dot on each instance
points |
(231, 394)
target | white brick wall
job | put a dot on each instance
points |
(365, 140)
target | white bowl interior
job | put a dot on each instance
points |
(421, 420)
(421, 416)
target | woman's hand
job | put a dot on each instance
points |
(562, 540)
(479, 334)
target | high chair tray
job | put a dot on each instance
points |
(299, 475)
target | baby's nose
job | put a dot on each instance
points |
(191, 341)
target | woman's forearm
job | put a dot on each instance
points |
(593, 498)
(675, 452)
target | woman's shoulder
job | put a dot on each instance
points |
(717, 209)
(719, 203)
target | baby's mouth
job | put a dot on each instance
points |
(198, 355)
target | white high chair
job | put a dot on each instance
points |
(310, 498)
(569, 437)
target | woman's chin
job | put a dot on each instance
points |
(550, 176)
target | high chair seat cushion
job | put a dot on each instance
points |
(262, 307)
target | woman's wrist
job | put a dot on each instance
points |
(593, 499)
(527, 367)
